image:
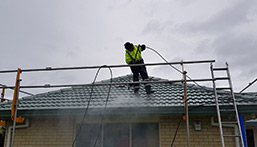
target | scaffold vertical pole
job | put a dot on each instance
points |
(15, 103)
(185, 103)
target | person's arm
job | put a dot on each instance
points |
(143, 47)
(127, 58)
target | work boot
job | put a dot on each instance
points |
(148, 89)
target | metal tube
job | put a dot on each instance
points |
(14, 125)
(248, 85)
(185, 103)
(10, 130)
(4, 86)
(235, 106)
(4, 99)
(16, 93)
(218, 109)
(15, 114)
(114, 83)
(105, 66)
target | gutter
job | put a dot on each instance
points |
(26, 125)
(229, 126)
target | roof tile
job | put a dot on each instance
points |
(166, 95)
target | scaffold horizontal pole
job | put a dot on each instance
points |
(105, 66)
(8, 87)
(113, 83)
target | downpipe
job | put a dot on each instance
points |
(229, 126)
(26, 125)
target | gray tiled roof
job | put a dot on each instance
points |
(166, 95)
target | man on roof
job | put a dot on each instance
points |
(133, 56)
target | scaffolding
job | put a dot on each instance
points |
(18, 86)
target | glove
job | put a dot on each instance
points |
(142, 47)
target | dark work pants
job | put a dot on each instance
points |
(136, 70)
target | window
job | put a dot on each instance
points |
(145, 135)
(116, 135)
(250, 137)
(119, 135)
(88, 136)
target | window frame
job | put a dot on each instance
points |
(130, 124)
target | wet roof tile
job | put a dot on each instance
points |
(166, 95)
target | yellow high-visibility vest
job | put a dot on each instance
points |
(133, 55)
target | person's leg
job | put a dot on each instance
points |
(135, 71)
(143, 73)
(142, 70)
(145, 77)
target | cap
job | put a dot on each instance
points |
(128, 45)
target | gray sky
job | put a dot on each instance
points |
(65, 33)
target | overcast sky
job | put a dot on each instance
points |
(66, 33)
